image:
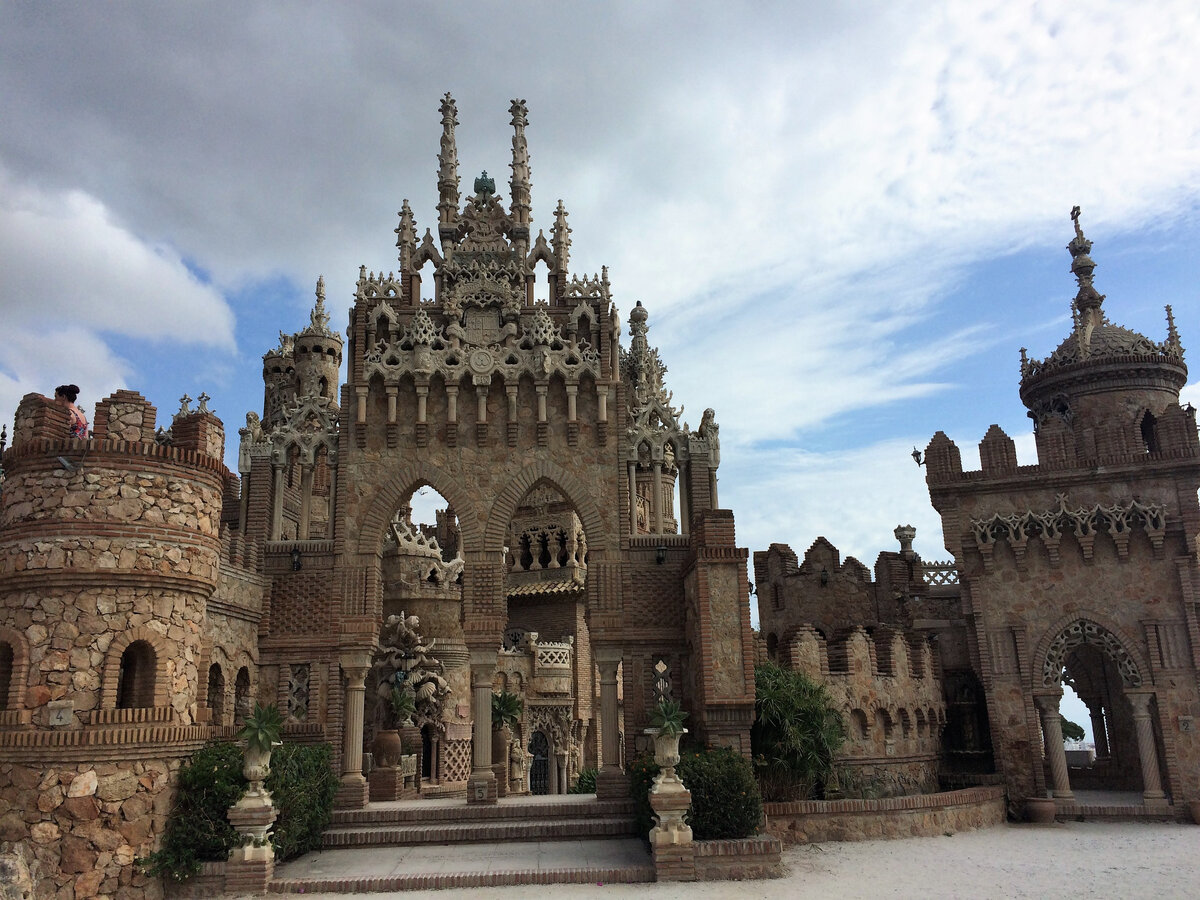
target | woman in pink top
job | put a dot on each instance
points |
(66, 393)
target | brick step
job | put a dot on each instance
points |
(500, 830)
(414, 812)
(446, 880)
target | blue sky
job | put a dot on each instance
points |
(845, 219)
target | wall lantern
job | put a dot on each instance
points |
(660, 554)
(296, 562)
(824, 576)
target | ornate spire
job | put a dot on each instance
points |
(318, 319)
(1172, 334)
(1082, 267)
(406, 236)
(520, 184)
(560, 239)
(448, 165)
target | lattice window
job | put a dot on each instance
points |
(456, 761)
(297, 699)
(662, 681)
(1085, 632)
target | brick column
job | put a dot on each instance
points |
(481, 788)
(353, 792)
(610, 781)
(276, 501)
(1047, 705)
(1152, 792)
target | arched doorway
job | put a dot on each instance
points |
(1097, 665)
(539, 764)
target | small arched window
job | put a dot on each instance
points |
(6, 672)
(135, 681)
(241, 696)
(216, 693)
(1150, 432)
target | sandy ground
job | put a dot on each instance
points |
(1077, 860)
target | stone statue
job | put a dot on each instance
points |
(710, 430)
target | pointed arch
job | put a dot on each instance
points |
(574, 490)
(1073, 631)
(14, 668)
(399, 488)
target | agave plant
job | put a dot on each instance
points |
(667, 716)
(506, 710)
(262, 728)
(403, 705)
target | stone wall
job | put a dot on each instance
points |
(929, 815)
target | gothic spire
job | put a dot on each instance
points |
(1082, 267)
(318, 318)
(448, 165)
(560, 239)
(406, 236)
(520, 183)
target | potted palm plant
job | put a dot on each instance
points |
(666, 727)
(388, 747)
(260, 732)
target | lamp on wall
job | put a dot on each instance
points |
(660, 554)
(916, 455)
(297, 564)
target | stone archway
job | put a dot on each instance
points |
(1095, 659)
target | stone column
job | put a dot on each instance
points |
(684, 511)
(656, 499)
(353, 791)
(610, 780)
(481, 788)
(1152, 792)
(560, 758)
(1047, 705)
(1099, 733)
(306, 488)
(633, 499)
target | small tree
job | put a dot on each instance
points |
(1071, 731)
(796, 733)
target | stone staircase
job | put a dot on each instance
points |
(429, 844)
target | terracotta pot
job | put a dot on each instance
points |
(1194, 808)
(1040, 810)
(501, 737)
(387, 748)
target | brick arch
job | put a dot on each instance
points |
(1051, 654)
(575, 491)
(19, 674)
(163, 650)
(399, 488)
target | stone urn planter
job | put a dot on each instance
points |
(1040, 810)
(387, 748)
(1194, 808)
(666, 748)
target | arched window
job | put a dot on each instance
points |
(6, 672)
(1150, 432)
(241, 696)
(135, 681)
(216, 693)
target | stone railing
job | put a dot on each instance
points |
(938, 573)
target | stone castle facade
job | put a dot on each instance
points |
(148, 595)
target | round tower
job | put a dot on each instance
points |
(1105, 384)
(317, 354)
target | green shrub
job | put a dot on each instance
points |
(726, 802)
(796, 734)
(197, 829)
(302, 786)
(585, 783)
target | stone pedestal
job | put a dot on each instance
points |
(671, 838)
(389, 783)
(251, 866)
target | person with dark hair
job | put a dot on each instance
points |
(66, 393)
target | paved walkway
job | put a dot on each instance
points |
(1077, 859)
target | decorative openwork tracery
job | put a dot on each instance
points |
(1082, 632)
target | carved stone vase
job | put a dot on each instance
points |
(669, 797)
(1040, 810)
(666, 749)
(256, 766)
(387, 748)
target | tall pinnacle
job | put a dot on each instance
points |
(448, 165)
(1082, 267)
(520, 182)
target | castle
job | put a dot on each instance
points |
(148, 595)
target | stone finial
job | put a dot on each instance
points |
(185, 406)
(203, 407)
(485, 185)
(406, 236)
(318, 318)
(561, 239)
(448, 164)
(905, 534)
(1172, 333)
